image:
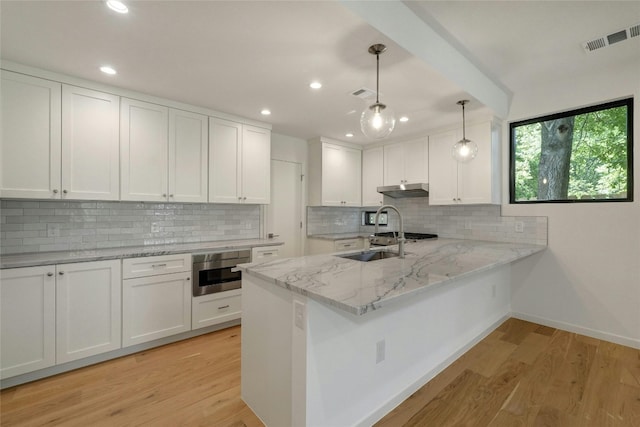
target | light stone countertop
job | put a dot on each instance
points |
(66, 257)
(359, 287)
(339, 236)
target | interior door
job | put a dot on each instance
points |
(284, 214)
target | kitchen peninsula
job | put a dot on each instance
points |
(333, 341)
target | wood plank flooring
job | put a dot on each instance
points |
(522, 374)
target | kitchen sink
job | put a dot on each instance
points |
(366, 256)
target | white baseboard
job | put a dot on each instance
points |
(569, 327)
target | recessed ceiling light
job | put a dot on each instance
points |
(265, 112)
(348, 135)
(117, 6)
(404, 119)
(315, 85)
(108, 70)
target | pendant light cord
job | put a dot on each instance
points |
(377, 77)
(464, 137)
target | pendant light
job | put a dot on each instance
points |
(464, 150)
(377, 121)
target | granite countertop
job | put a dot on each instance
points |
(66, 257)
(338, 236)
(359, 287)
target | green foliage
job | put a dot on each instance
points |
(598, 157)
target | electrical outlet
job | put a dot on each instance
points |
(299, 314)
(519, 227)
(380, 351)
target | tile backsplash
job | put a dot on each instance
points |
(45, 225)
(477, 222)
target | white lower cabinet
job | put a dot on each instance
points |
(27, 320)
(156, 305)
(264, 253)
(211, 309)
(88, 307)
(317, 246)
(58, 313)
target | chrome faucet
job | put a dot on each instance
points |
(400, 234)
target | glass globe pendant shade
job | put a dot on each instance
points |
(377, 121)
(464, 150)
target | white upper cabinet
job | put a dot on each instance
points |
(256, 165)
(144, 152)
(30, 150)
(475, 182)
(239, 163)
(372, 176)
(188, 165)
(407, 162)
(163, 153)
(90, 144)
(335, 174)
(59, 141)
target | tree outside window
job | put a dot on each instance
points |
(583, 155)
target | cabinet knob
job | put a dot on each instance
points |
(49, 274)
(244, 198)
(239, 198)
(188, 278)
(61, 273)
(65, 191)
(170, 195)
(55, 191)
(164, 194)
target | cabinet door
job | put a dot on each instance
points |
(225, 138)
(27, 320)
(144, 151)
(90, 144)
(333, 175)
(474, 178)
(352, 177)
(372, 176)
(393, 164)
(30, 147)
(88, 310)
(256, 165)
(155, 307)
(443, 170)
(416, 161)
(188, 163)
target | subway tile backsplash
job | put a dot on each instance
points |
(476, 222)
(41, 226)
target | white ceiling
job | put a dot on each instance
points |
(241, 56)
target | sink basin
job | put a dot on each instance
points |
(366, 256)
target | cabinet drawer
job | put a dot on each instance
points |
(348, 244)
(151, 266)
(212, 309)
(264, 253)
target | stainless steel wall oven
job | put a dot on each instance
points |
(214, 272)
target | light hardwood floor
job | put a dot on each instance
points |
(522, 374)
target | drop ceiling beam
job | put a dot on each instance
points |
(409, 27)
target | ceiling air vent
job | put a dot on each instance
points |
(609, 39)
(364, 93)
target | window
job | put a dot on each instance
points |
(583, 155)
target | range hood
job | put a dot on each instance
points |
(405, 190)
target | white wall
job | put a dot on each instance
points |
(588, 281)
